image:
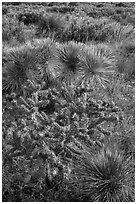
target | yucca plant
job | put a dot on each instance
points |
(65, 62)
(45, 47)
(123, 41)
(125, 54)
(96, 64)
(106, 176)
(21, 64)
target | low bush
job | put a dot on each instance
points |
(50, 24)
(11, 28)
(60, 9)
(4, 10)
(28, 18)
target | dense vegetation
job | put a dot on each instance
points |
(68, 102)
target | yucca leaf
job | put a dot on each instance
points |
(24, 108)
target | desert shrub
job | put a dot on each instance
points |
(97, 10)
(68, 115)
(122, 92)
(125, 54)
(124, 135)
(128, 48)
(28, 33)
(71, 4)
(121, 4)
(126, 66)
(11, 28)
(118, 33)
(42, 171)
(76, 33)
(60, 9)
(47, 129)
(13, 3)
(28, 18)
(44, 46)
(4, 10)
(123, 45)
(130, 19)
(50, 24)
(90, 29)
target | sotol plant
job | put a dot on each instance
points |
(20, 61)
(23, 62)
(76, 62)
(106, 176)
(97, 62)
(65, 62)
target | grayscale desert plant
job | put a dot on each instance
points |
(45, 47)
(97, 63)
(106, 176)
(65, 63)
(25, 62)
(119, 33)
(50, 23)
(20, 61)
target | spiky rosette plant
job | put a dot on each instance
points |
(96, 65)
(106, 176)
(17, 70)
(65, 62)
(45, 47)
